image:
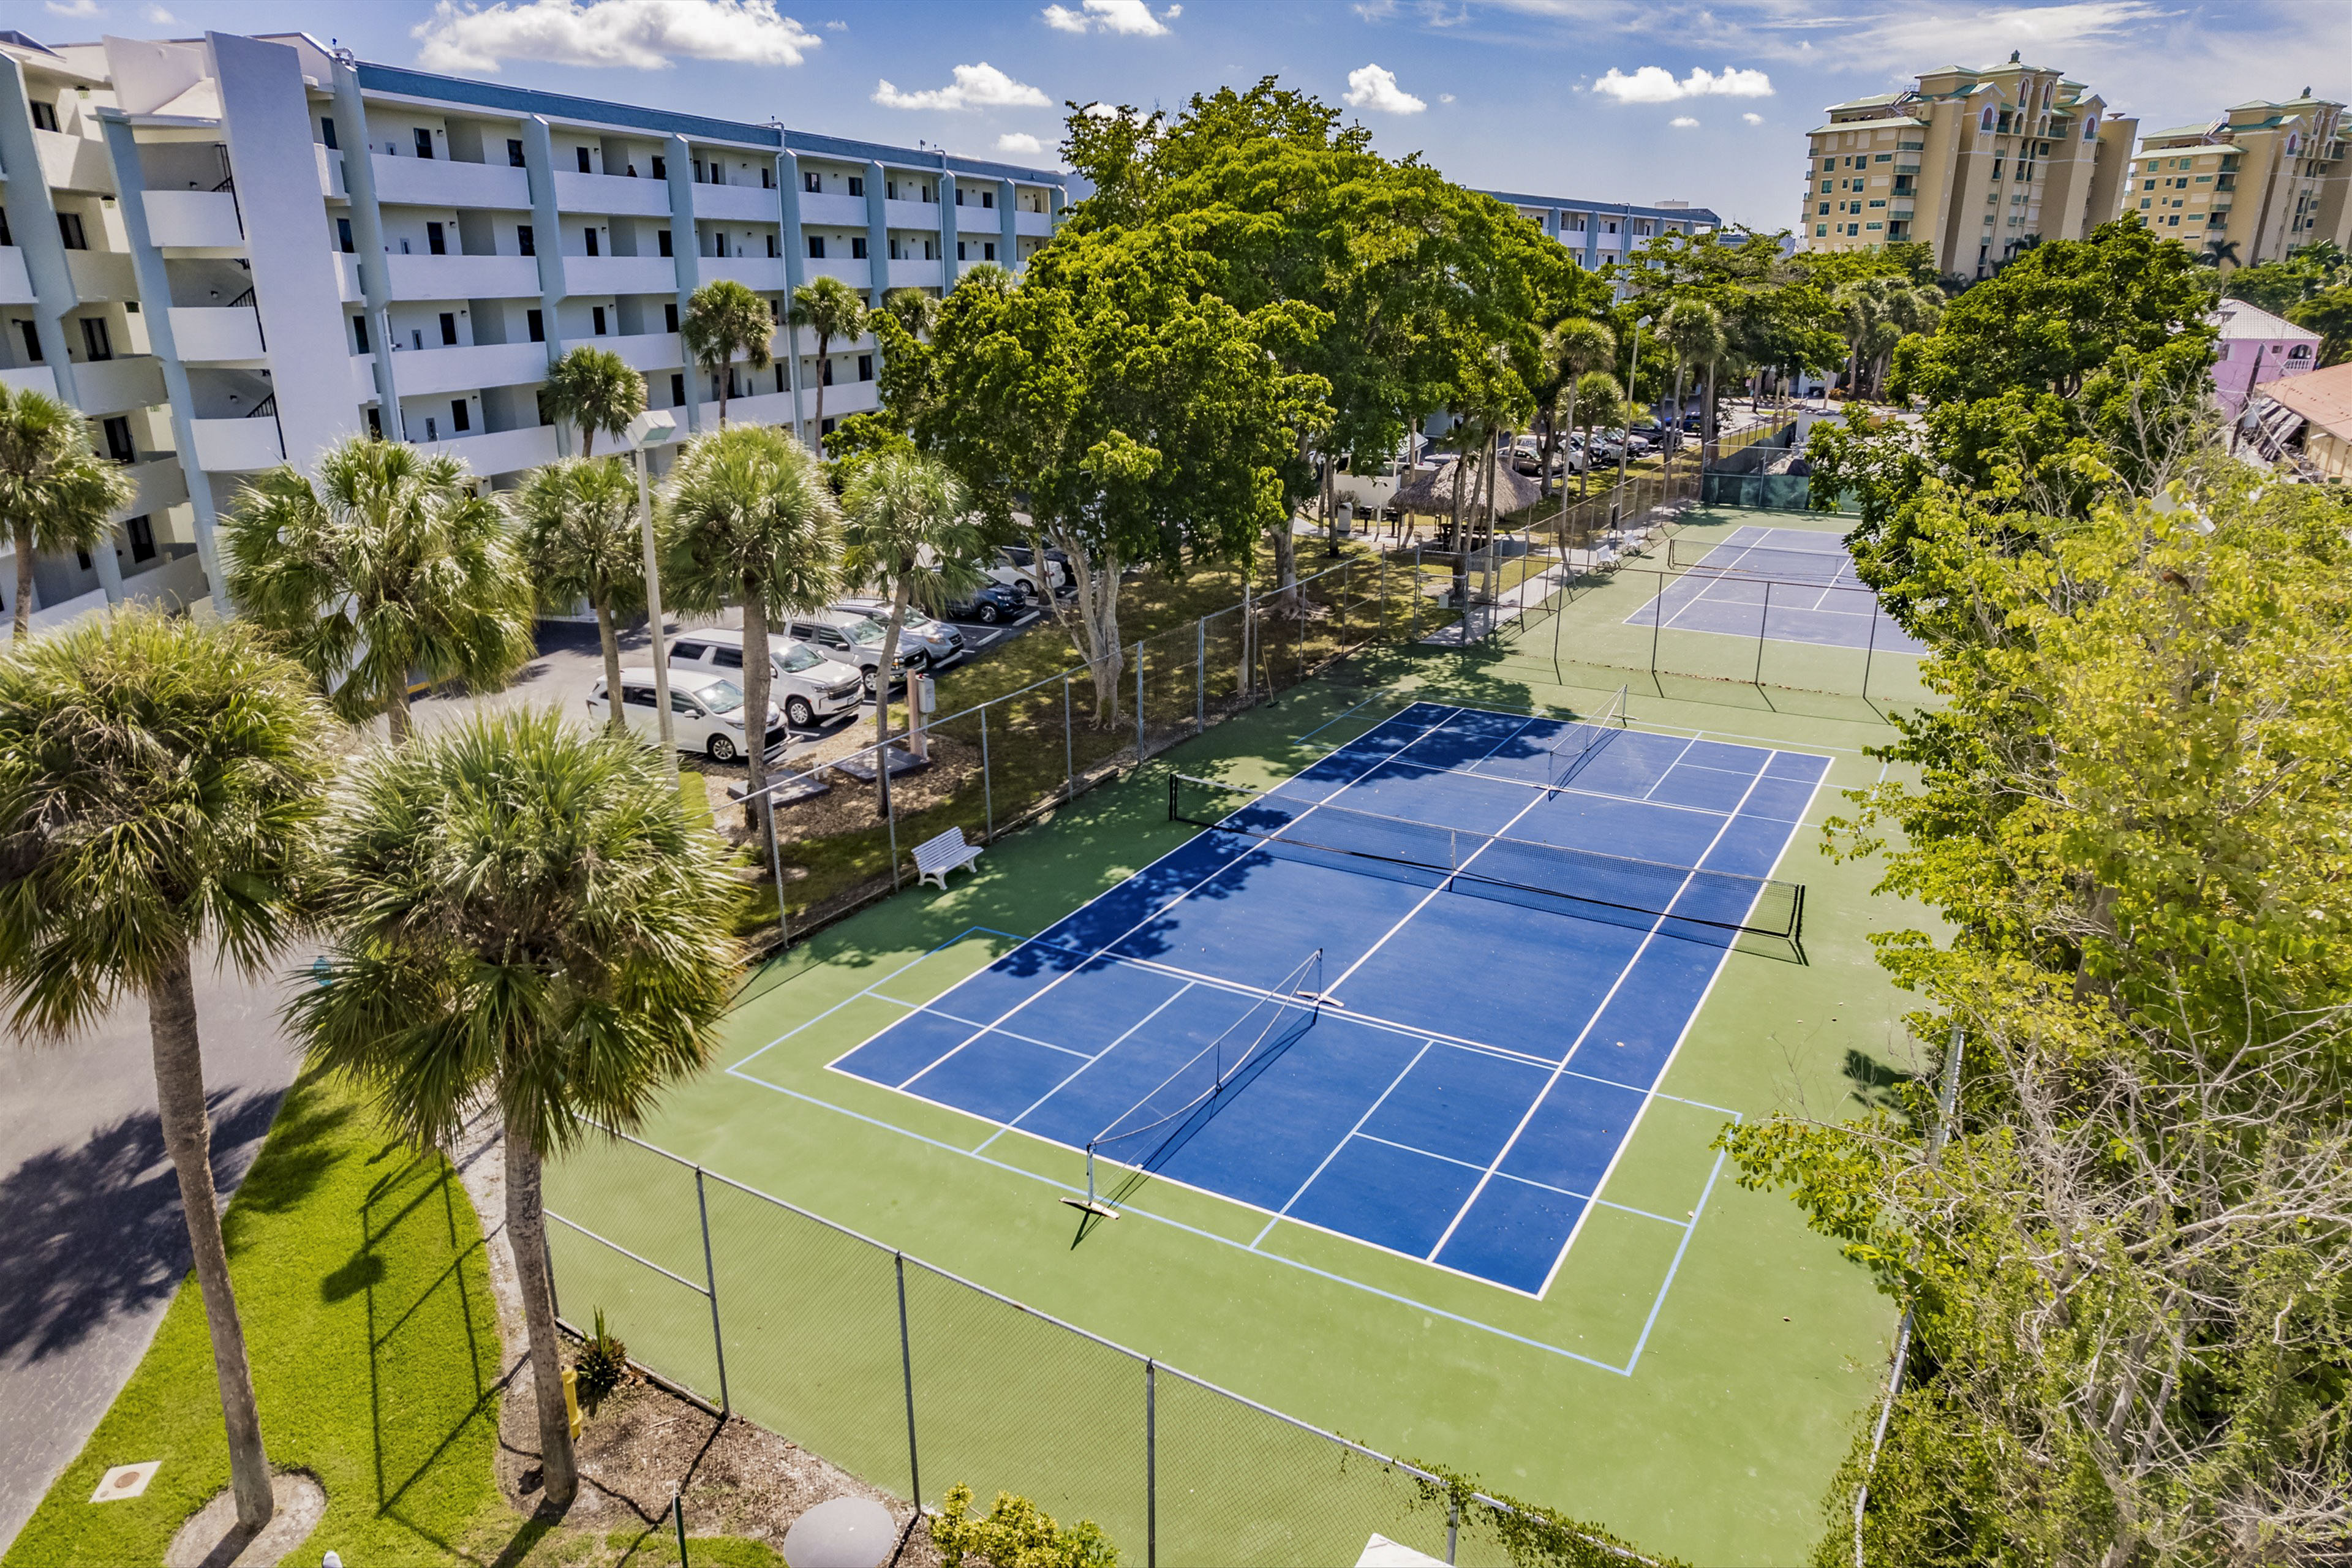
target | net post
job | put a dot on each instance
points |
(1151, 1464)
(1763, 632)
(1657, 620)
(907, 1372)
(1870, 647)
(710, 1282)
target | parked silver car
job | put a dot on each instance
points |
(923, 642)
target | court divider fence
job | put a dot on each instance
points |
(914, 1380)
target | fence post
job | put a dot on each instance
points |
(889, 807)
(1200, 675)
(907, 1370)
(776, 858)
(1151, 1465)
(1415, 627)
(1453, 1527)
(710, 1280)
(1139, 702)
(1069, 757)
(1249, 623)
(987, 790)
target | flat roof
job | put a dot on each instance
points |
(1609, 210)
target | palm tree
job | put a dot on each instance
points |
(1693, 330)
(1579, 346)
(908, 533)
(750, 519)
(912, 309)
(724, 319)
(1597, 392)
(831, 308)
(55, 492)
(389, 567)
(526, 916)
(595, 389)
(161, 781)
(578, 526)
(1862, 303)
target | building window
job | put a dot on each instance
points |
(514, 152)
(930, 251)
(824, 370)
(988, 250)
(375, 423)
(437, 239)
(143, 538)
(889, 190)
(69, 231)
(596, 316)
(827, 427)
(118, 439)
(718, 244)
(661, 242)
(661, 171)
(5, 238)
(866, 367)
(326, 131)
(432, 429)
(358, 335)
(95, 343)
(857, 247)
(448, 328)
(988, 199)
(424, 142)
(960, 244)
(582, 155)
(32, 336)
(535, 323)
(590, 233)
(816, 248)
(812, 182)
(772, 247)
(45, 115)
(343, 237)
(678, 389)
(767, 177)
(459, 420)
(525, 242)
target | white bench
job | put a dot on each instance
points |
(934, 858)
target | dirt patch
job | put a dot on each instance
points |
(849, 806)
(211, 1538)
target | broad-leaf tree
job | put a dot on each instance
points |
(163, 782)
(55, 493)
(595, 390)
(748, 520)
(726, 322)
(387, 569)
(831, 310)
(578, 534)
(911, 535)
(525, 917)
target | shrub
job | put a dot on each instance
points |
(602, 1366)
(1016, 1533)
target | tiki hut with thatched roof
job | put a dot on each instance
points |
(1429, 493)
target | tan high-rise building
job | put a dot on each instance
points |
(1974, 163)
(2257, 182)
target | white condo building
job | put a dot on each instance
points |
(231, 252)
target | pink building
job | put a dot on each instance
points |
(2256, 348)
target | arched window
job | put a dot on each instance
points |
(1984, 121)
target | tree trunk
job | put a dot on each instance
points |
(527, 1234)
(395, 717)
(1707, 419)
(1461, 556)
(1097, 638)
(823, 345)
(757, 674)
(619, 723)
(24, 607)
(188, 1137)
(588, 450)
(1331, 503)
(1676, 439)
(1584, 459)
(890, 632)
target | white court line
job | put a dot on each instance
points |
(1182, 990)
(1342, 1144)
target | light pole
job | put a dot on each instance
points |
(654, 428)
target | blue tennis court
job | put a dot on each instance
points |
(1786, 584)
(1401, 997)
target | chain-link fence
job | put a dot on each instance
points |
(846, 838)
(915, 1380)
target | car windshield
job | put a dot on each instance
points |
(863, 632)
(719, 696)
(797, 657)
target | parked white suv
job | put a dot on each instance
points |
(706, 712)
(846, 639)
(805, 685)
(924, 643)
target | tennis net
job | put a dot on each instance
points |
(1580, 740)
(1719, 901)
(1828, 568)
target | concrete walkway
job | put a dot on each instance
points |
(92, 1241)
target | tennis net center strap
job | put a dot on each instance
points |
(1722, 900)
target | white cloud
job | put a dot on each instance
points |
(1655, 84)
(1444, 98)
(160, 17)
(1133, 18)
(837, 26)
(1019, 141)
(644, 34)
(975, 87)
(1374, 10)
(75, 9)
(1375, 88)
(1683, 122)
(1753, 118)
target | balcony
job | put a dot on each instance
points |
(619, 274)
(844, 212)
(192, 220)
(914, 275)
(615, 195)
(439, 182)
(988, 223)
(16, 283)
(119, 385)
(74, 163)
(331, 171)
(100, 275)
(923, 217)
(760, 273)
(761, 408)
(500, 452)
(1039, 225)
(647, 352)
(238, 446)
(416, 373)
(363, 387)
(347, 277)
(739, 204)
(856, 274)
(162, 484)
(461, 277)
(216, 334)
(37, 378)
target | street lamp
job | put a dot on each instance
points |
(654, 428)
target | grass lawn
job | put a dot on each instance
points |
(367, 1306)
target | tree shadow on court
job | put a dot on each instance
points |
(1882, 1086)
(95, 1231)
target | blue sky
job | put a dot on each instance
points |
(1639, 100)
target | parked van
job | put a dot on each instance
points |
(706, 712)
(805, 685)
